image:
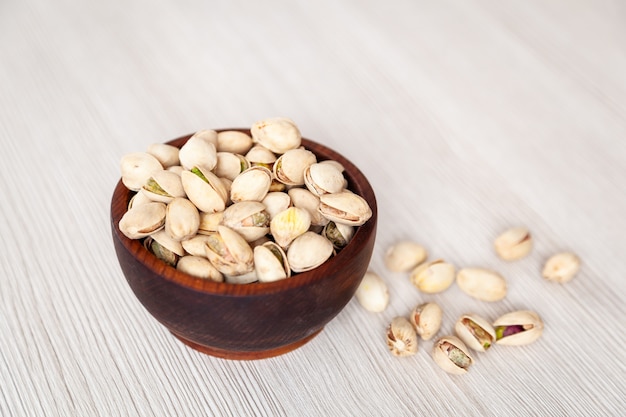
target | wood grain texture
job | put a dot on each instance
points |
(467, 117)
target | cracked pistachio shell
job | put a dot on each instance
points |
(143, 220)
(305, 199)
(260, 155)
(198, 152)
(476, 332)
(166, 154)
(372, 293)
(200, 267)
(195, 245)
(229, 252)
(426, 318)
(401, 337)
(275, 202)
(163, 186)
(308, 251)
(451, 354)
(166, 241)
(482, 284)
(137, 168)
(513, 244)
(339, 234)
(233, 141)
(208, 135)
(204, 189)
(270, 262)
(163, 251)
(209, 222)
(138, 199)
(323, 179)
(248, 218)
(229, 165)
(433, 277)
(345, 207)
(289, 167)
(278, 134)
(251, 185)
(561, 267)
(518, 328)
(289, 224)
(404, 256)
(181, 219)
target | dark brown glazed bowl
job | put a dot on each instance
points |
(247, 321)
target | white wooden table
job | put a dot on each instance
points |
(467, 117)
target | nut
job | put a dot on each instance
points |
(372, 293)
(514, 243)
(561, 267)
(475, 332)
(401, 337)
(404, 256)
(481, 283)
(451, 354)
(518, 328)
(433, 277)
(426, 318)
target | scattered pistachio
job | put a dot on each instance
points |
(561, 267)
(483, 284)
(372, 293)
(451, 354)
(475, 332)
(426, 318)
(401, 337)
(433, 277)
(513, 244)
(518, 328)
(404, 256)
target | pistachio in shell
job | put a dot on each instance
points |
(229, 252)
(200, 267)
(289, 224)
(476, 332)
(251, 185)
(451, 354)
(182, 219)
(518, 328)
(426, 318)
(137, 168)
(278, 134)
(345, 207)
(143, 220)
(233, 141)
(204, 189)
(308, 251)
(270, 262)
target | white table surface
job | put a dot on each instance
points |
(468, 117)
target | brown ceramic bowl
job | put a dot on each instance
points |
(247, 321)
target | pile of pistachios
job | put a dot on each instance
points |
(238, 208)
(451, 352)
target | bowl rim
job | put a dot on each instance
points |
(355, 179)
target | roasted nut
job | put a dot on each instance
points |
(143, 220)
(518, 328)
(481, 283)
(372, 293)
(451, 354)
(404, 256)
(137, 168)
(475, 332)
(513, 244)
(561, 267)
(199, 267)
(401, 337)
(426, 318)
(181, 219)
(433, 277)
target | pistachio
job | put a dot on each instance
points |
(229, 252)
(561, 267)
(270, 262)
(303, 198)
(138, 199)
(518, 328)
(451, 354)
(289, 167)
(137, 168)
(233, 141)
(483, 284)
(308, 251)
(401, 337)
(433, 277)
(198, 152)
(345, 207)
(166, 154)
(261, 156)
(204, 189)
(143, 220)
(229, 165)
(426, 318)
(200, 267)
(372, 293)
(275, 202)
(196, 245)
(323, 179)
(513, 244)
(289, 224)
(475, 331)
(339, 234)
(163, 186)
(161, 251)
(182, 219)
(209, 222)
(404, 256)
(251, 185)
(248, 218)
(278, 134)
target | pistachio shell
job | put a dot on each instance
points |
(163, 186)
(404, 256)
(308, 251)
(483, 284)
(248, 218)
(160, 251)
(518, 328)
(229, 252)
(401, 337)
(289, 167)
(182, 219)
(166, 241)
(433, 277)
(475, 332)
(561, 267)
(204, 189)
(372, 293)
(275, 202)
(278, 134)
(345, 207)
(260, 155)
(251, 185)
(305, 199)
(426, 318)
(207, 135)
(198, 152)
(289, 224)
(339, 234)
(138, 199)
(451, 354)
(137, 168)
(229, 165)
(195, 245)
(323, 178)
(199, 267)
(166, 154)
(143, 220)
(513, 244)
(270, 262)
(233, 141)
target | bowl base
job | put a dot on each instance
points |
(246, 355)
